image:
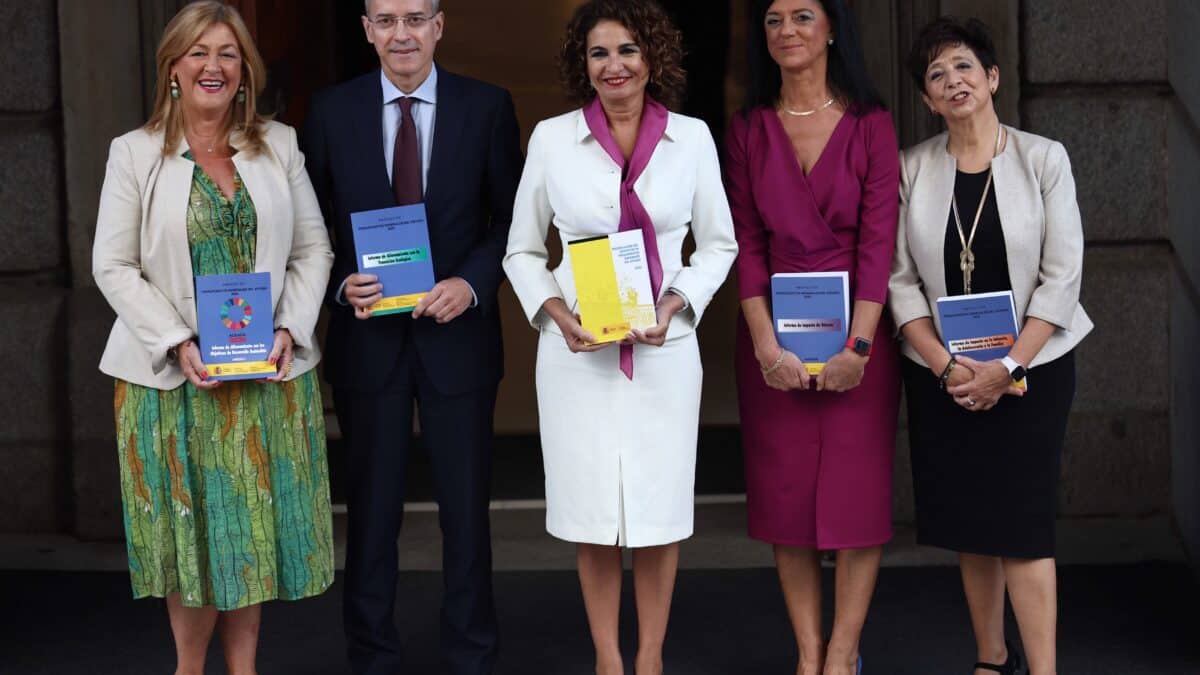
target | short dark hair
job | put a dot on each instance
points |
(950, 31)
(652, 30)
(847, 72)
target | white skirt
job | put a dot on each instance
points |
(619, 455)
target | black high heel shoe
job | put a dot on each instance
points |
(1013, 665)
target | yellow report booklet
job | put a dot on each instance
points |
(612, 283)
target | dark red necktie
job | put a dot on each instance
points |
(406, 158)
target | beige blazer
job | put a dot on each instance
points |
(1043, 235)
(143, 267)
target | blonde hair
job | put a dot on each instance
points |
(244, 126)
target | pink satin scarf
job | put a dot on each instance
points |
(633, 214)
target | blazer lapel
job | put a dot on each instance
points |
(366, 122)
(258, 186)
(1015, 223)
(173, 188)
(934, 217)
(449, 119)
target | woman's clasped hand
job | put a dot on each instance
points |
(981, 384)
(281, 356)
(188, 353)
(579, 339)
(785, 372)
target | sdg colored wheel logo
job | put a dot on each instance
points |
(230, 316)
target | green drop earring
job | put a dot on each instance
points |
(174, 88)
(241, 95)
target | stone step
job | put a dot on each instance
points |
(520, 542)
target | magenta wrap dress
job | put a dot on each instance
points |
(818, 464)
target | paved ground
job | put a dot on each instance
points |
(1128, 603)
(1116, 620)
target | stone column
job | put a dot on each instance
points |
(1106, 98)
(33, 271)
(1183, 209)
(104, 59)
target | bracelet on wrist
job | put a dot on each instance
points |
(774, 366)
(173, 352)
(946, 372)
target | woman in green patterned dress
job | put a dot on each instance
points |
(225, 486)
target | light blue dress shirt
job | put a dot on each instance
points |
(423, 114)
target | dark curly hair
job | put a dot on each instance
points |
(847, 71)
(660, 42)
(950, 31)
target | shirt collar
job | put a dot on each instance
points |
(582, 132)
(426, 93)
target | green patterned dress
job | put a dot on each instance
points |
(225, 492)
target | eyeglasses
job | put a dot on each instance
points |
(387, 22)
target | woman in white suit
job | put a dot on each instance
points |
(225, 486)
(988, 208)
(619, 421)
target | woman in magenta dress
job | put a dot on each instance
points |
(812, 176)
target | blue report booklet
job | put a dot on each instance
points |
(233, 313)
(811, 311)
(982, 326)
(393, 244)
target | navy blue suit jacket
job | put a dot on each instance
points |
(472, 178)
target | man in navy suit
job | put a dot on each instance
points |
(412, 132)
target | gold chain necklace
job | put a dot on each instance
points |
(966, 258)
(211, 143)
(806, 113)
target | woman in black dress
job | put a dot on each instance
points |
(988, 208)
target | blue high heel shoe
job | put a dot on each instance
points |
(859, 671)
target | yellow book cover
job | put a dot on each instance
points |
(612, 283)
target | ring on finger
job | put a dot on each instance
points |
(971, 402)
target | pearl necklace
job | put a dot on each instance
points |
(806, 113)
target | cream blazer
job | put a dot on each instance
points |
(142, 264)
(569, 180)
(1043, 235)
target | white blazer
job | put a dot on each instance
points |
(1043, 236)
(142, 264)
(569, 180)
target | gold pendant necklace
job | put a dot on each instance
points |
(966, 258)
(211, 144)
(806, 113)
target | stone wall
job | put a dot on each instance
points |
(1128, 112)
(33, 271)
(104, 55)
(1183, 209)
(1106, 98)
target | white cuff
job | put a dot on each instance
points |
(340, 296)
(676, 291)
(474, 297)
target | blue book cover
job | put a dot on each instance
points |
(982, 326)
(233, 313)
(393, 244)
(812, 314)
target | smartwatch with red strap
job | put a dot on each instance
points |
(858, 345)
